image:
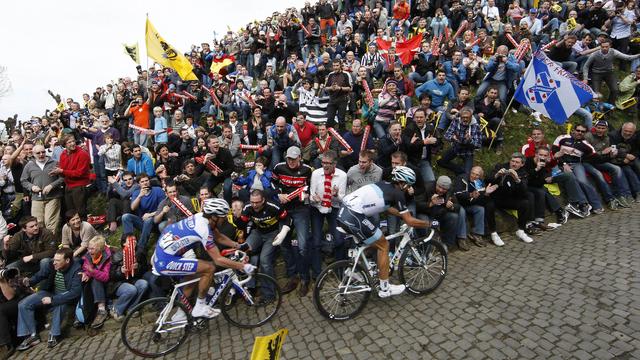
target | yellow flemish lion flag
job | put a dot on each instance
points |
(133, 51)
(166, 55)
(268, 347)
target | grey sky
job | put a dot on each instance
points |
(72, 46)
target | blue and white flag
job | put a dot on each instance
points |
(547, 88)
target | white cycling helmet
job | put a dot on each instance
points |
(215, 207)
(403, 174)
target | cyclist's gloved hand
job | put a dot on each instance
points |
(281, 235)
(248, 268)
(244, 247)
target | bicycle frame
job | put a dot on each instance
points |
(227, 276)
(359, 255)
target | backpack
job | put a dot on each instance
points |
(85, 308)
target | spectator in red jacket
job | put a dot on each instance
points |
(74, 167)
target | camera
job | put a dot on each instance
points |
(8, 274)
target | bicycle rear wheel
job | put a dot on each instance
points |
(140, 333)
(333, 299)
(423, 266)
(265, 302)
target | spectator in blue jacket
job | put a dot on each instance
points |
(280, 137)
(144, 203)
(140, 162)
(439, 89)
(61, 286)
(257, 178)
(456, 72)
(502, 70)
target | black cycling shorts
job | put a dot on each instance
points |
(358, 225)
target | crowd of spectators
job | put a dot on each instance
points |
(311, 101)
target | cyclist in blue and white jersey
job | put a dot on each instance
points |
(373, 199)
(174, 254)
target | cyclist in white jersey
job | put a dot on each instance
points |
(374, 199)
(174, 254)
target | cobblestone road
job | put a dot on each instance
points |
(574, 293)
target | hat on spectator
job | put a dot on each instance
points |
(518, 155)
(533, 11)
(602, 123)
(444, 182)
(293, 152)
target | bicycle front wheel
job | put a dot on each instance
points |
(423, 266)
(334, 299)
(259, 304)
(142, 335)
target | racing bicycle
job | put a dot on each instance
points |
(160, 325)
(344, 287)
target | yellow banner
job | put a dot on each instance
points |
(166, 55)
(269, 347)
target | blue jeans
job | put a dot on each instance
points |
(586, 116)
(632, 178)
(619, 179)
(129, 295)
(450, 155)
(477, 215)
(380, 129)
(502, 89)
(130, 222)
(26, 314)
(580, 173)
(426, 171)
(317, 236)
(267, 252)
(419, 79)
(140, 138)
(101, 174)
(571, 186)
(300, 255)
(461, 226)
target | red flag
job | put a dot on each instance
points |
(405, 50)
(219, 64)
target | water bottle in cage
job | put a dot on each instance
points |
(210, 292)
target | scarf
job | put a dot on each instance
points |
(328, 194)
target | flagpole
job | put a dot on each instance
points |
(502, 120)
(509, 105)
(145, 47)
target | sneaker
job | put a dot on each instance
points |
(585, 209)
(562, 216)
(622, 202)
(630, 200)
(541, 225)
(520, 234)
(575, 209)
(28, 343)
(553, 226)
(613, 204)
(204, 311)
(52, 342)
(598, 211)
(531, 229)
(391, 291)
(100, 318)
(114, 314)
(179, 316)
(496, 239)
